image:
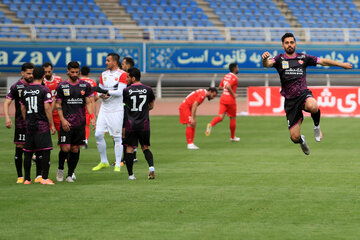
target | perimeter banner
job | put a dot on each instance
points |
(333, 101)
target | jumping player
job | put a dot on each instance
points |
(187, 111)
(227, 102)
(291, 67)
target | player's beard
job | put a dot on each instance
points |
(28, 80)
(290, 50)
(74, 78)
(48, 77)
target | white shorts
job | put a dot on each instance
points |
(110, 122)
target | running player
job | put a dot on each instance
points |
(227, 102)
(111, 113)
(188, 109)
(37, 112)
(139, 100)
(15, 94)
(72, 96)
(291, 67)
(85, 70)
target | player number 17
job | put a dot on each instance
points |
(134, 99)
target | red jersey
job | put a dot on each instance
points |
(92, 84)
(196, 96)
(226, 96)
(52, 85)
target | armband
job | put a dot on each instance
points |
(92, 116)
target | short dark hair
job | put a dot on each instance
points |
(27, 66)
(48, 64)
(38, 73)
(85, 70)
(129, 61)
(115, 57)
(212, 89)
(134, 72)
(286, 35)
(232, 66)
(73, 64)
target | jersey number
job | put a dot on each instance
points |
(21, 137)
(32, 104)
(134, 108)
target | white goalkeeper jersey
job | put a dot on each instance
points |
(115, 82)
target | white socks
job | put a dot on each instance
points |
(118, 148)
(101, 146)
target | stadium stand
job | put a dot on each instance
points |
(180, 20)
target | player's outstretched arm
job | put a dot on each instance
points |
(8, 122)
(329, 62)
(266, 62)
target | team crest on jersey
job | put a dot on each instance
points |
(116, 79)
(285, 64)
(301, 62)
(82, 92)
(19, 91)
(66, 92)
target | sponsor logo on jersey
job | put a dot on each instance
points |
(105, 78)
(32, 92)
(137, 91)
(66, 92)
(65, 86)
(82, 85)
(285, 64)
(75, 101)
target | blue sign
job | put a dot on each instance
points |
(215, 58)
(13, 55)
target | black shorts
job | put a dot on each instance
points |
(20, 135)
(294, 107)
(76, 136)
(133, 138)
(38, 142)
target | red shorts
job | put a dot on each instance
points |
(230, 109)
(57, 122)
(185, 115)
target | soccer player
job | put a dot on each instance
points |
(19, 137)
(291, 67)
(127, 63)
(72, 96)
(37, 112)
(52, 81)
(139, 100)
(111, 113)
(85, 70)
(188, 109)
(227, 102)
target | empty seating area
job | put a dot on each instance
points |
(325, 13)
(182, 20)
(58, 12)
(248, 13)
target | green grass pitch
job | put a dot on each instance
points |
(263, 187)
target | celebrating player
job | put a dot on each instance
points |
(36, 110)
(71, 98)
(291, 67)
(188, 109)
(227, 102)
(139, 100)
(111, 113)
(85, 70)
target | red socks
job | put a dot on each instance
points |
(232, 127)
(190, 134)
(215, 121)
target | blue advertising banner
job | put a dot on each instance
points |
(13, 55)
(215, 58)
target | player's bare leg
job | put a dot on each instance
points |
(300, 139)
(312, 107)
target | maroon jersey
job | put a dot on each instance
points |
(72, 98)
(33, 97)
(292, 72)
(15, 94)
(136, 98)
